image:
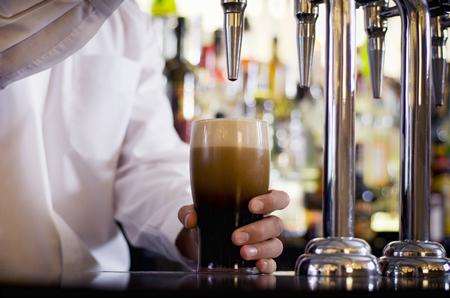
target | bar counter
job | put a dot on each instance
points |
(185, 284)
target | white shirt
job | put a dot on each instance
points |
(88, 143)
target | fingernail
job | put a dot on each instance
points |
(257, 206)
(186, 220)
(251, 251)
(241, 238)
(264, 265)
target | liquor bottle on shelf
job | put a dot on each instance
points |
(440, 189)
(216, 93)
(163, 7)
(440, 173)
(306, 152)
(282, 107)
(181, 86)
(365, 197)
(377, 124)
(277, 74)
(212, 58)
(211, 78)
(250, 74)
(164, 15)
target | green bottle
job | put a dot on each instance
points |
(164, 8)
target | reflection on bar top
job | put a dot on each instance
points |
(284, 281)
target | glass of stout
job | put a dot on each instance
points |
(230, 165)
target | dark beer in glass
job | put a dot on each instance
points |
(230, 165)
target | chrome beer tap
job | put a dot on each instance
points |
(338, 253)
(414, 255)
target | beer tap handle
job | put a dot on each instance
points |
(306, 13)
(376, 27)
(234, 30)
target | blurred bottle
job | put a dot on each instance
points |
(277, 75)
(440, 190)
(303, 145)
(181, 86)
(250, 70)
(163, 8)
(211, 77)
(164, 19)
(250, 76)
(217, 95)
(213, 58)
(307, 155)
(376, 124)
(282, 108)
(377, 172)
(364, 199)
(440, 171)
(277, 85)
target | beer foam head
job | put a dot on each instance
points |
(248, 133)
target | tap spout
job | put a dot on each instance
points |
(376, 27)
(234, 30)
(306, 13)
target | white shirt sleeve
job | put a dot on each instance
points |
(152, 180)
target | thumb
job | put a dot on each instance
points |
(188, 216)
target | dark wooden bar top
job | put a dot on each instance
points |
(186, 284)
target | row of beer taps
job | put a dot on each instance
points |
(423, 80)
(376, 15)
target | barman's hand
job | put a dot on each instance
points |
(259, 240)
